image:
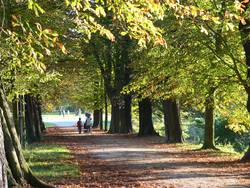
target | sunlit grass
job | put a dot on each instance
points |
(51, 162)
(223, 150)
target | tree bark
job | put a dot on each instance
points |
(21, 120)
(10, 151)
(30, 129)
(114, 125)
(125, 115)
(145, 118)
(15, 113)
(209, 121)
(27, 174)
(245, 32)
(114, 65)
(96, 118)
(101, 119)
(3, 160)
(121, 115)
(106, 113)
(36, 116)
(172, 121)
(39, 109)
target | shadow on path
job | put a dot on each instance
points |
(129, 161)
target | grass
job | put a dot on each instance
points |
(51, 162)
(223, 150)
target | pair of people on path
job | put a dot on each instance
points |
(87, 124)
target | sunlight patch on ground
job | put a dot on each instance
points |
(125, 150)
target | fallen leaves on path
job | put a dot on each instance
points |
(129, 161)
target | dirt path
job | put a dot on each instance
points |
(129, 161)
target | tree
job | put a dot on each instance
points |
(3, 161)
(21, 46)
(243, 27)
(172, 121)
(145, 118)
(113, 54)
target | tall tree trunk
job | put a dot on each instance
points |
(15, 113)
(245, 32)
(21, 120)
(10, 151)
(209, 121)
(39, 109)
(116, 75)
(106, 113)
(33, 119)
(101, 119)
(96, 118)
(3, 160)
(121, 115)
(145, 118)
(172, 121)
(126, 118)
(115, 118)
(125, 115)
(30, 129)
(36, 116)
(27, 173)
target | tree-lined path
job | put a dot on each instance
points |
(130, 161)
(141, 68)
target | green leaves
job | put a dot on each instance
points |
(33, 5)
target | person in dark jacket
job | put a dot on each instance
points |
(79, 125)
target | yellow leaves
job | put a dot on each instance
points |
(183, 11)
(49, 38)
(67, 2)
(62, 47)
(75, 4)
(32, 5)
(14, 21)
(99, 11)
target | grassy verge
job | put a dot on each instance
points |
(223, 150)
(51, 162)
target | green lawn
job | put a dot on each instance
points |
(51, 162)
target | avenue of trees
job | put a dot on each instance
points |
(181, 55)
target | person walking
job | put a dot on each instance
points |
(79, 125)
(88, 123)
